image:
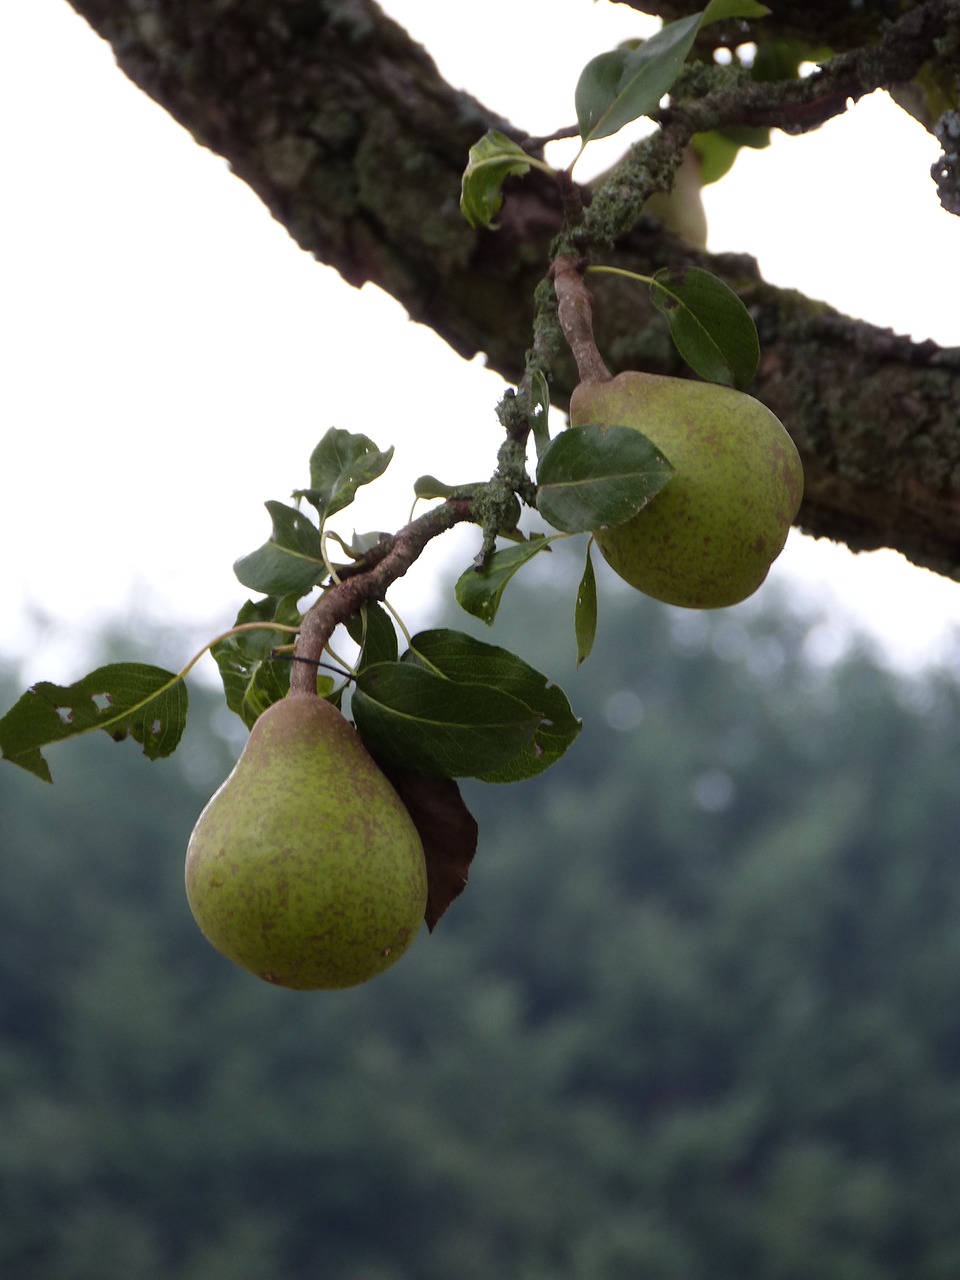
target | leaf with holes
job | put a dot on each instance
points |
(710, 326)
(123, 699)
(596, 475)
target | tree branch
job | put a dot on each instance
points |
(346, 598)
(344, 128)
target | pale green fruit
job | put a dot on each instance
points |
(305, 867)
(709, 537)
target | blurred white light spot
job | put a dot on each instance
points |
(689, 628)
(623, 710)
(825, 644)
(730, 640)
(767, 657)
(713, 790)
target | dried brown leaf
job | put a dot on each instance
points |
(447, 829)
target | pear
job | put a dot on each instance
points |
(709, 537)
(305, 866)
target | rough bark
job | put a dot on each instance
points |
(346, 131)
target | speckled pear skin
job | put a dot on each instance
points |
(305, 867)
(708, 539)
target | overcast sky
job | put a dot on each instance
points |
(169, 357)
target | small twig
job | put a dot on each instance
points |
(575, 312)
(369, 559)
(340, 602)
(538, 143)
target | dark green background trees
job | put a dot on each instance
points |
(696, 1017)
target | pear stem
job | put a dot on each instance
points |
(369, 580)
(575, 313)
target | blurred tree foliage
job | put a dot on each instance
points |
(697, 1016)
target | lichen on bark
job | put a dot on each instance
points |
(345, 129)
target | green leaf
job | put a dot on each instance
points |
(466, 660)
(710, 326)
(594, 475)
(124, 698)
(585, 615)
(479, 591)
(244, 660)
(621, 86)
(539, 411)
(430, 487)
(412, 717)
(491, 160)
(374, 631)
(718, 149)
(269, 682)
(289, 563)
(339, 465)
(719, 10)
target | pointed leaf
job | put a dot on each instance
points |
(720, 10)
(412, 717)
(290, 562)
(593, 475)
(710, 326)
(478, 591)
(585, 615)
(625, 84)
(491, 160)
(718, 149)
(269, 683)
(428, 487)
(374, 631)
(447, 830)
(124, 698)
(245, 658)
(339, 465)
(596, 93)
(539, 411)
(467, 660)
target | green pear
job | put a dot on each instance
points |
(305, 867)
(709, 537)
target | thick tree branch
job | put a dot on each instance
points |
(346, 131)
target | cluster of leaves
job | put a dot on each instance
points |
(472, 710)
(613, 90)
(449, 705)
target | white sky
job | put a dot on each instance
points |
(168, 357)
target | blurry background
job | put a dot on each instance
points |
(697, 1016)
